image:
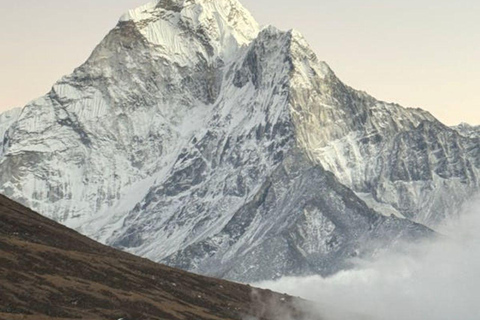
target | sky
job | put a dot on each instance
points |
(418, 53)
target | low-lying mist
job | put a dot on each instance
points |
(432, 280)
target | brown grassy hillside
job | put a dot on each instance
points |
(48, 271)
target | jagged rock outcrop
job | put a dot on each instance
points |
(467, 130)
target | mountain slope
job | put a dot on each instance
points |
(193, 137)
(48, 272)
(398, 160)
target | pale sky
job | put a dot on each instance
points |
(418, 53)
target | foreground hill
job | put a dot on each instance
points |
(50, 272)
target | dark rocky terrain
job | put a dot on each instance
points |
(50, 272)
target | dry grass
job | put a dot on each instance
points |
(50, 272)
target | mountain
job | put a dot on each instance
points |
(49, 272)
(193, 137)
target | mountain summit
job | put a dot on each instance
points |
(193, 138)
(187, 32)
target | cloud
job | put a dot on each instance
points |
(434, 280)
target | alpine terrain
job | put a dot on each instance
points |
(194, 137)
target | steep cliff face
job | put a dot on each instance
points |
(192, 136)
(402, 162)
(103, 133)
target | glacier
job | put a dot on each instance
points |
(194, 137)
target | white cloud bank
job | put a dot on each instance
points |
(437, 280)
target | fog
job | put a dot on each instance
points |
(434, 280)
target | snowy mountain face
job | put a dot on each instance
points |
(400, 161)
(195, 138)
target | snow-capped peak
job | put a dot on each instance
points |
(191, 138)
(140, 13)
(215, 28)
